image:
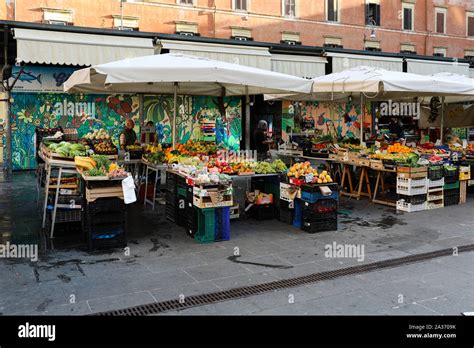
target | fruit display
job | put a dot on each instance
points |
(152, 148)
(298, 170)
(399, 148)
(105, 148)
(116, 172)
(100, 134)
(264, 168)
(241, 168)
(86, 163)
(67, 149)
(155, 157)
(279, 166)
(102, 162)
(301, 170)
(134, 148)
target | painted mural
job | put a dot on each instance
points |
(191, 109)
(340, 119)
(49, 110)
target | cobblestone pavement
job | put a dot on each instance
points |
(165, 263)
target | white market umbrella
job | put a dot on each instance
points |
(186, 75)
(380, 84)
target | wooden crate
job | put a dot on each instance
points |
(105, 192)
(207, 202)
(412, 173)
(364, 162)
(376, 164)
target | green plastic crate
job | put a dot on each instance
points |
(182, 192)
(206, 227)
(454, 185)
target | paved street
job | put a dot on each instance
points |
(165, 263)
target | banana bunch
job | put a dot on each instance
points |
(86, 163)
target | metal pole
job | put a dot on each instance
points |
(175, 106)
(121, 14)
(441, 132)
(361, 119)
(247, 119)
(8, 158)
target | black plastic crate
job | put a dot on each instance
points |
(435, 172)
(315, 187)
(106, 205)
(416, 199)
(285, 205)
(108, 218)
(315, 227)
(451, 176)
(287, 216)
(262, 211)
(451, 200)
(321, 206)
(311, 216)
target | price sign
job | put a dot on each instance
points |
(309, 177)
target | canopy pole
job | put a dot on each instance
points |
(8, 156)
(175, 106)
(247, 119)
(361, 119)
(441, 131)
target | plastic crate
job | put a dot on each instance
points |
(222, 229)
(298, 213)
(321, 226)
(416, 199)
(451, 186)
(451, 176)
(315, 187)
(436, 183)
(435, 172)
(410, 208)
(432, 205)
(107, 218)
(321, 206)
(313, 216)
(451, 200)
(313, 197)
(182, 192)
(106, 205)
(206, 225)
(262, 211)
(411, 187)
(287, 216)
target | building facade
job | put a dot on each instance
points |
(427, 27)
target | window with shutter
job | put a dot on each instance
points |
(470, 25)
(440, 23)
(407, 18)
(240, 5)
(332, 9)
(372, 14)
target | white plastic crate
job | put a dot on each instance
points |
(435, 196)
(411, 187)
(432, 205)
(410, 208)
(436, 183)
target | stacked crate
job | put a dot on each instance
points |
(435, 187)
(412, 189)
(451, 186)
(171, 196)
(104, 219)
(319, 211)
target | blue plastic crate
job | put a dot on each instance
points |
(222, 225)
(298, 213)
(313, 197)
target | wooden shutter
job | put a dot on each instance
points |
(470, 26)
(440, 22)
(377, 14)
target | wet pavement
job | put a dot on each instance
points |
(165, 263)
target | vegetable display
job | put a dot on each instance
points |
(67, 149)
(102, 162)
(101, 134)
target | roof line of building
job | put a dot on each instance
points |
(273, 47)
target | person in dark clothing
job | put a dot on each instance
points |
(261, 141)
(152, 136)
(128, 135)
(395, 127)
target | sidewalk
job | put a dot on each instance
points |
(165, 263)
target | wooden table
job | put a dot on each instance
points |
(381, 180)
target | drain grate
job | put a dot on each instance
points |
(237, 293)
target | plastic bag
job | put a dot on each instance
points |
(128, 187)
